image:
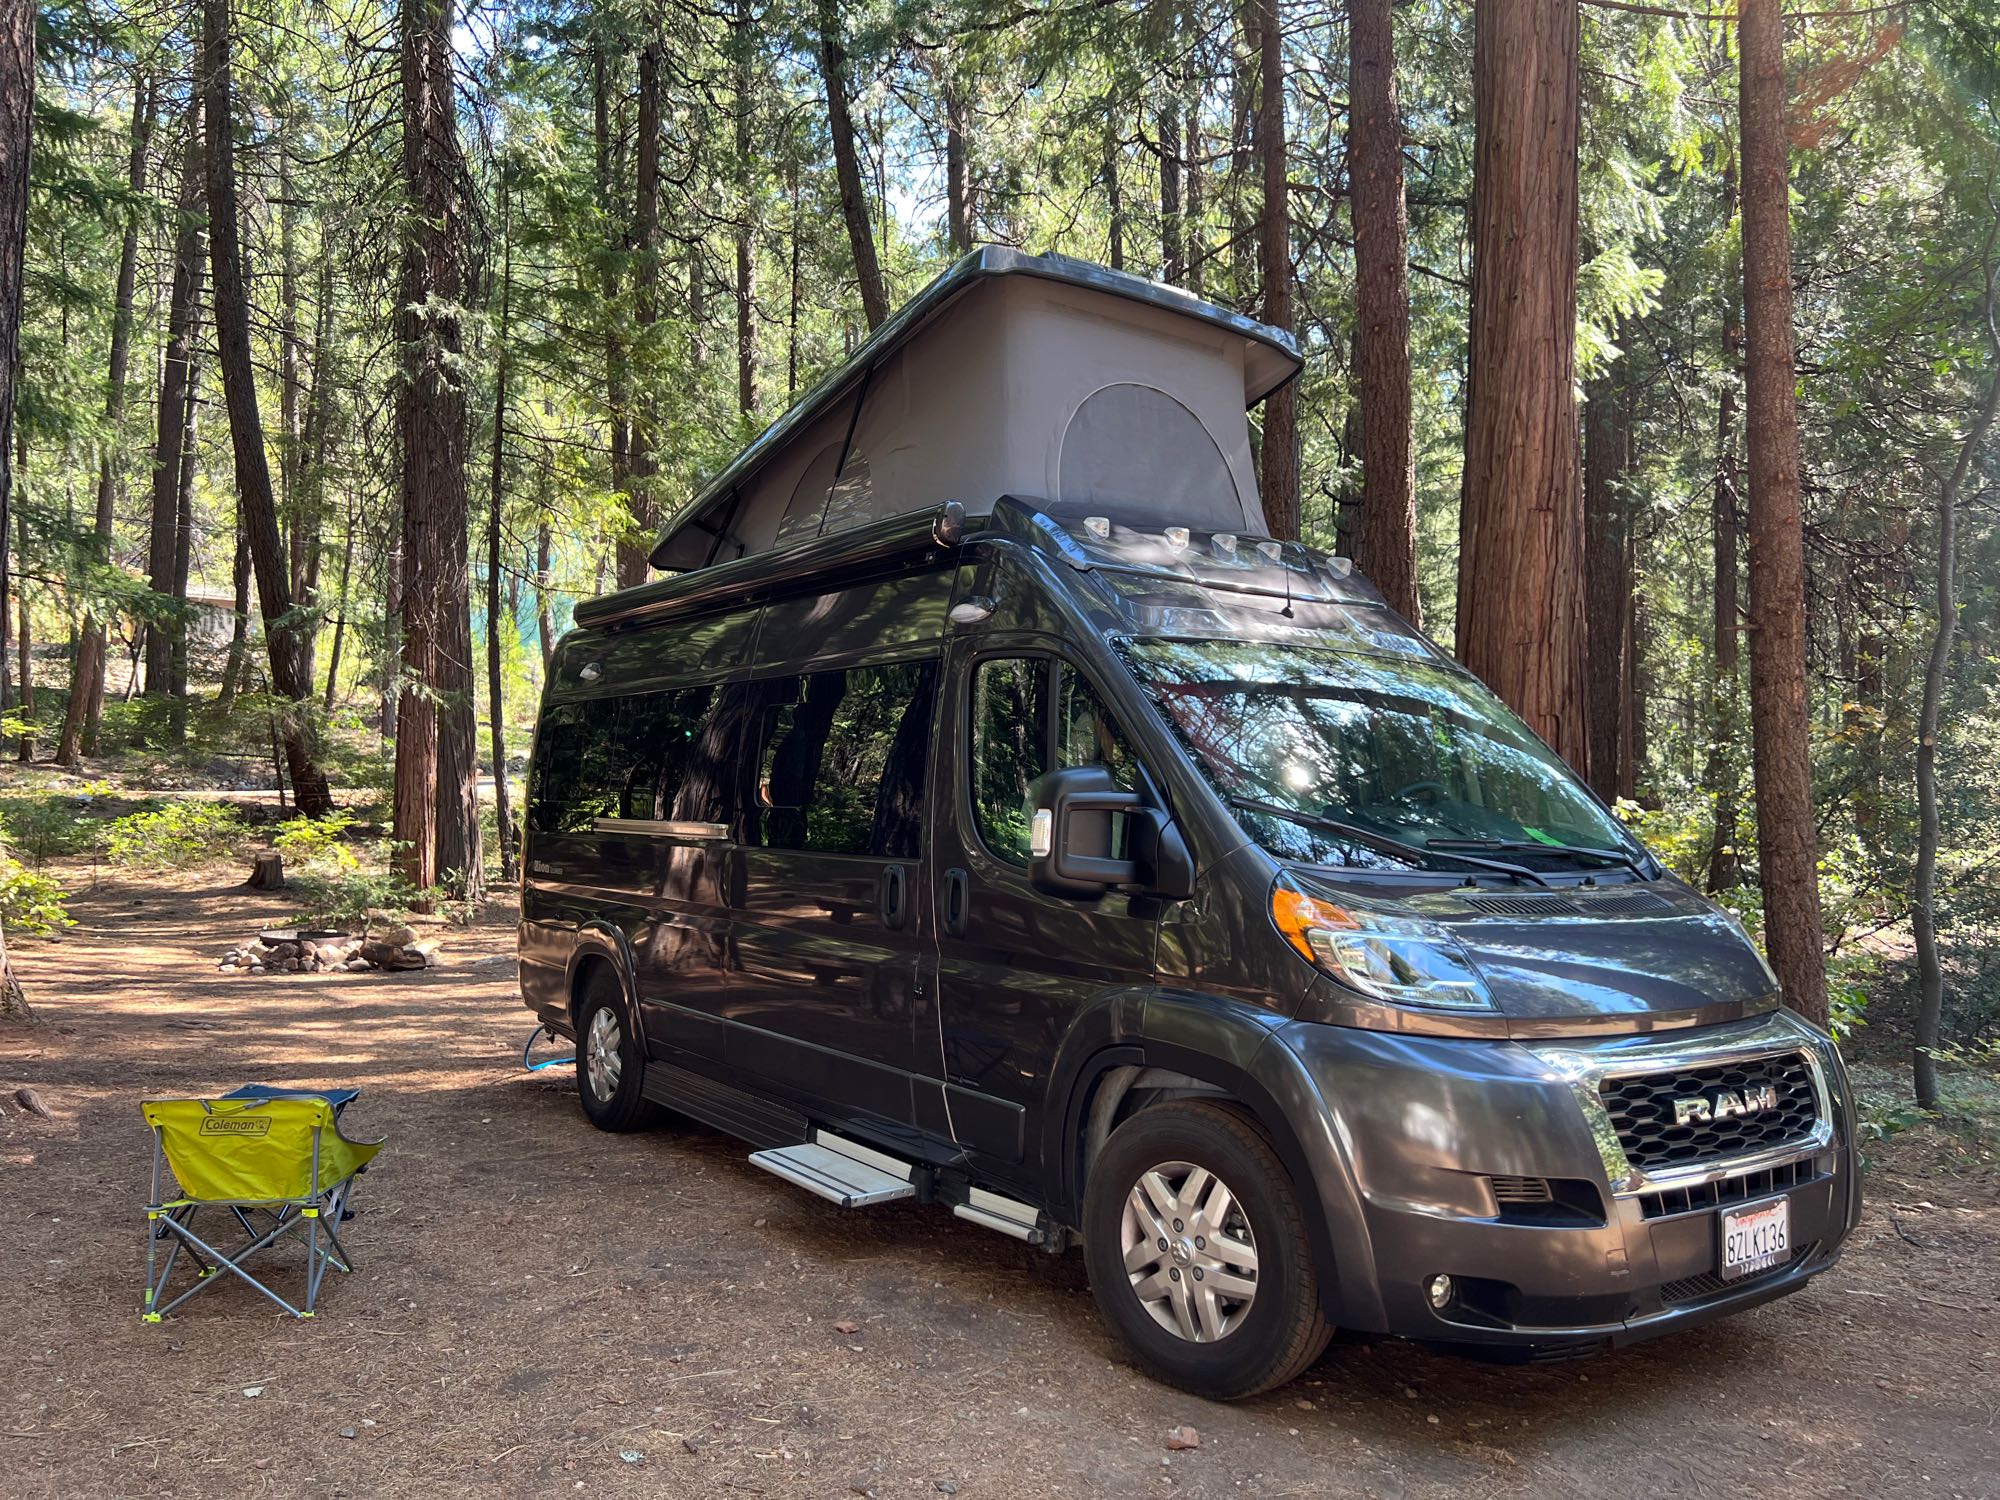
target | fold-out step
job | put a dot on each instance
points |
(839, 1171)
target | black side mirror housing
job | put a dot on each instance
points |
(1073, 838)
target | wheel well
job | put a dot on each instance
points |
(580, 982)
(1121, 1092)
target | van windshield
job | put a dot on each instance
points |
(1337, 757)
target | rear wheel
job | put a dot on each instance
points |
(1198, 1254)
(610, 1062)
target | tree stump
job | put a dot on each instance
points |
(267, 872)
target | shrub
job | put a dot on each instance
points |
(343, 898)
(176, 837)
(31, 902)
(46, 825)
(317, 845)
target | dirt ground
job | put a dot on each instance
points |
(540, 1309)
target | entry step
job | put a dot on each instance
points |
(839, 1170)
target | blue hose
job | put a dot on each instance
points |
(547, 1062)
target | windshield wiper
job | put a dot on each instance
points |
(1381, 843)
(1536, 846)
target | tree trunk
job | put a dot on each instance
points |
(847, 166)
(957, 167)
(177, 657)
(545, 620)
(17, 108)
(1923, 900)
(239, 635)
(1724, 713)
(436, 780)
(1386, 549)
(745, 40)
(1607, 590)
(495, 504)
(177, 395)
(1520, 574)
(1280, 456)
(86, 697)
(1114, 201)
(617, 372)
(634, 547)
(1786, 835)
(340, 620)
(256, 502)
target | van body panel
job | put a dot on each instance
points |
(793, 973)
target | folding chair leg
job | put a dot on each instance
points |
(226, 1263)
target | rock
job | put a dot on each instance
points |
(31, 1101)
(392, 956)
(348, 1432)
(256, 968)
(846, 1327)
(282, 951)
(945, 1487)
(395, 935)
(1182, 1438)
(357, 965)
(292, 966)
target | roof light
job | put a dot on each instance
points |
(1098, 526)
(1225, 543)
(1341, 566)
(1177, 538)
(1273, 551)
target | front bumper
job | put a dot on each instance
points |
(1428, 1155)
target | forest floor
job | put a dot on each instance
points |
(541, 1309)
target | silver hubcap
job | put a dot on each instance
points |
(601, 1063)
(1189, 1253)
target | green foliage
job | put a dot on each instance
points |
(317, 845)
(48, 825)
(31, 902)
(178, 836)
(343, 898)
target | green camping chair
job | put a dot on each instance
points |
(274, 1161)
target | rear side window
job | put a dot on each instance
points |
(843, 759)
(615, 758)
(1018, 733)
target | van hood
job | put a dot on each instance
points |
(1643, 951)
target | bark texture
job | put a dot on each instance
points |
(1725, 711)
(1385, 547)
(17, 107)
(1607, 585)
(1279, 459)
(255, 500)
(171, 415)
(1520, 575)
(436, 801)
(1786, 836)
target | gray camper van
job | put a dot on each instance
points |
(987, 812)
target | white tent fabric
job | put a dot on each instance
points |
(1033, 385)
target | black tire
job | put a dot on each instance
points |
(612, 1104)
(1280, 1329)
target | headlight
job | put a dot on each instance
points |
(1398, 959)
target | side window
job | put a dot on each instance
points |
(1010, 748)
(578, 767)
(1014, 730)
(615, 758)
(1087, 735)
(843, 759)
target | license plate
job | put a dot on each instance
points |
(1756, 1239)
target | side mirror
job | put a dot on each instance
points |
(1073, 838)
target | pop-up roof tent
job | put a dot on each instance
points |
(1032, 375)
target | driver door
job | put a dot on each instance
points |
(1017, 963)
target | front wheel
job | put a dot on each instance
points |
(610, 1062)
(1197, 1251)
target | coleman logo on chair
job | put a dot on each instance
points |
(1725, 1104)
(236, 1125)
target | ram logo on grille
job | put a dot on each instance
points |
(1725, 1104)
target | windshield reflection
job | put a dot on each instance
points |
(1405, 750)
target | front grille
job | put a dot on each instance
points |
(1710, 1284)
(1642, 1110)
(1731, 1190)
(1523, 906)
